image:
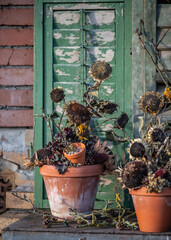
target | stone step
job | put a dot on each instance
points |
(11, 216)
(31, 228)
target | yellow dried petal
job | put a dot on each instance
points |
(167, 93)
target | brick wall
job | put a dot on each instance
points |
(16, 63)
(16, 88)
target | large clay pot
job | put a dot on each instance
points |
(153, 210)
(77, 157)
(75, 189)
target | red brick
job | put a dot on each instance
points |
(12, 97)
(16, 37)
(20, 16)
(16, 76)
(16, 2)
(16, 118)
(15, 57)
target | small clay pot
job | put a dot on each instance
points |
(76, 189)
(153, 210)
(77, 157)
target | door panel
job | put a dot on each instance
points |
(75, 38)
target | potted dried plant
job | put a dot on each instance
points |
(148, 173)
(72, 184)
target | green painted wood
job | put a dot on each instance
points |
(63, 55)
(83, 1)
(38, 95)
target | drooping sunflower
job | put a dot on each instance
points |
(77, 113)
(151, 102)
(137, 149)
(122, 120)
(41, 154)
(104, 106)
(57, 94)
(156, 134)
(100, 70)
(134, 173)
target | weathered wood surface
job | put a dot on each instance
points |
(166, 59)
(164, 15)
(165, 44)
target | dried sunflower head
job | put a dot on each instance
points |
(136, 149)
(122, 120)
(151, 102)
(57, 94)
(41, 154)
(134, 173)
(100, 70)
(108, 107)
(167, 93)
(156, 134)
(77, 113)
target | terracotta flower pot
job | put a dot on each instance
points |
(77, 157)
(153, 210)
(75, 189)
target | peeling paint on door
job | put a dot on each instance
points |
(60, 73)
(71, 56)
(66, 18)
(100, 18)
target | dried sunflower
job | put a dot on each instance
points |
(151, 102)
(122, 120)
(57, 94)
(109, 163)
(155, 134)
(136, 149)
(100, 70)
(167, 93)
(108, 107)
(77, 113)
(134, 173)
(41, 154)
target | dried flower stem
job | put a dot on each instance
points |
(62, 114)
(151, 58)
(162, 146)
(107, 119)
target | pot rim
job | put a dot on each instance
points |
(142, 191)
(81, 145)
(82, 171)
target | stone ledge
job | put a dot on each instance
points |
(10, 216)
(31, 226)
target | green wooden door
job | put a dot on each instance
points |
(75, 36)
